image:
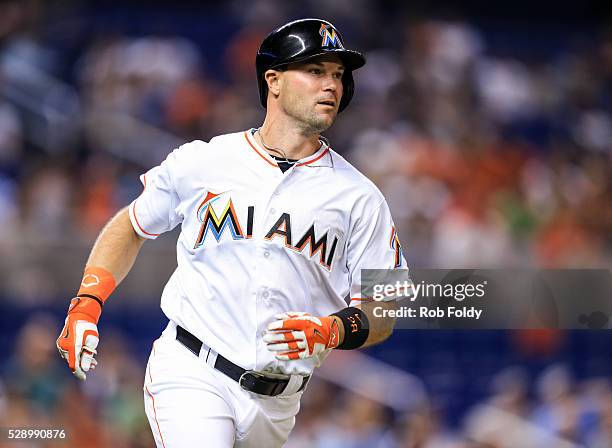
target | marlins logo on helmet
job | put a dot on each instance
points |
(330, 37)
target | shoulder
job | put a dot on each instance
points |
(217, 147)
(233, 139)
(192, 147)
(353, 179)
(217, 142)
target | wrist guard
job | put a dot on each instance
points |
(356, 328)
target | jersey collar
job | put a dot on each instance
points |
(321, 158)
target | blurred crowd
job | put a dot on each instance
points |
(560, 413)
(493, 149)
(515, 411)
(36, 390)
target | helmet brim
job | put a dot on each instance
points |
(352, 60)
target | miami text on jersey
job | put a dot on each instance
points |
(228, 220)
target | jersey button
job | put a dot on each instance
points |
(272, 210)
(266, 254)
(265, 294)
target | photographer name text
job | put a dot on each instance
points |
(466, 312)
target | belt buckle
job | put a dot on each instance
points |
(241, 380)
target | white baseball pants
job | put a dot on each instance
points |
(191, 404)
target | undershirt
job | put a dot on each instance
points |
(284, 164)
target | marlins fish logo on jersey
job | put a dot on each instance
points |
(330, 38)
(217, 224)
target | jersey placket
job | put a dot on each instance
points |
(274, 199)
(274, 207)
(269, 270)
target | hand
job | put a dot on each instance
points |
(298, 335)
(79, 338)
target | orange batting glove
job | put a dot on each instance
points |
(298, 335)
(79, 338)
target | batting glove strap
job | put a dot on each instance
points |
(356, 328)
(88, 305)
(78, 340)
(298, 335)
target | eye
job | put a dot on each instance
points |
(338, 75)
(315, 71)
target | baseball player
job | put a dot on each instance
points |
(275, 230)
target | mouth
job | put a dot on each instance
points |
(327, 103)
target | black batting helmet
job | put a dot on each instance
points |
(300, 40)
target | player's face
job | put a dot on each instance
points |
(310, 92)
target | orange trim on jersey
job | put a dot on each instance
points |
(314, 160)
(151, 377)
(153, 401)
(138, 223)
(246, 136)
(155, 417)
(144, 181)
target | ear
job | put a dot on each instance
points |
(273, 79)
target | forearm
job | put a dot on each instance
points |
(116, 247)
(110, 260)
(380, 327)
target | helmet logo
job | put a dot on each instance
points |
(329, 36)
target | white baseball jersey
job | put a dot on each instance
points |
(255, 241)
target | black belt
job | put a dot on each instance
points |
(248, 380)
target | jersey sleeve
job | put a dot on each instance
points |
(374, 244)
(155, 210)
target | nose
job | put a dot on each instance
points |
(332, 84)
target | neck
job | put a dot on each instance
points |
(293, 142)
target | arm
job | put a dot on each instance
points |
(116, 247)
(364, 327)
(379, 329)
(372, 245)
(110, 260)
(114, 253)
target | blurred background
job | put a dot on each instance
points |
(488, 129)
